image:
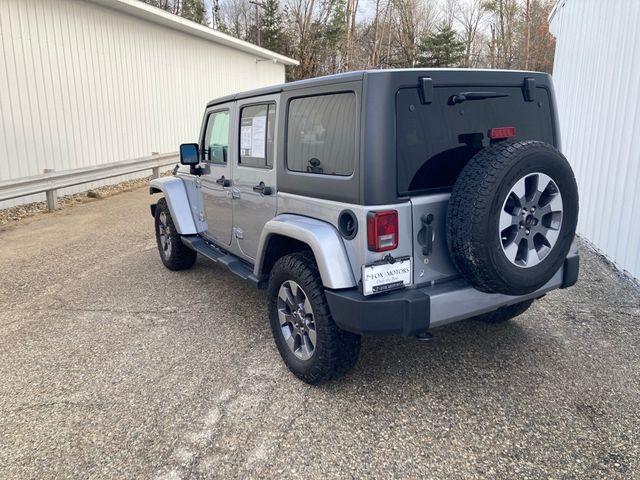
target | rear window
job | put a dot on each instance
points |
(436, 140)
(321, 136)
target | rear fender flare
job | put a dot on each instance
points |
(323, 240)
(175, 194)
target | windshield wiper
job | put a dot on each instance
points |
(464, 96)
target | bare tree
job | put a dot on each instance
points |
(381, 33)
(350, 32)
(412, 18)
(469, 15)
(504, 15)
(539, 44)
(329, 36)
(450, 9)
(527, 32)
(237, 16)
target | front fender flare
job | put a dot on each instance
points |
(175, 193)
(323, 239)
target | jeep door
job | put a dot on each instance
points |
(215, 183)
(254, 174)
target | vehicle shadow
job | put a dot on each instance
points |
(467, 356)
(463, 355)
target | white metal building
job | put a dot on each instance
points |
(84, 82)
(597, 81)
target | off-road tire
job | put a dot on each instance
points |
(473, 214)
(178, 256)
(506, 313)
(336, 351)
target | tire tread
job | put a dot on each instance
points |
(182, 257)
(471, 199)
(341, 349)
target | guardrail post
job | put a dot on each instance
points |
(155, 171)
(52, 195)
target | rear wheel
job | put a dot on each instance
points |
(310, 343)
(174, 254)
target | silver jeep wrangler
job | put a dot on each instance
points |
(377, 202)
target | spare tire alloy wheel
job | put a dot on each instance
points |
(296, 320)
(512, 217)
(530, 220)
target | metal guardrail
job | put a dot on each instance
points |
(50, 181)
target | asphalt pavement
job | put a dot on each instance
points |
(112, 366)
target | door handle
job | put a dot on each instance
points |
(263, 189)
(223, 181)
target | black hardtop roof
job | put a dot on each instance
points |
(458, 76)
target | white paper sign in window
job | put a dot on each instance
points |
(245, 139)
(258, 136)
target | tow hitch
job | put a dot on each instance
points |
(424, 337)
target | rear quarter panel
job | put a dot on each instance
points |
(356, 248)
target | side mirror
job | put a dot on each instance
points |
(189, 154)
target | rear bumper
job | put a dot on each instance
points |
(411, 311)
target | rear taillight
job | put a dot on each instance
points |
(382, 230)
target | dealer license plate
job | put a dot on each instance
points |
(378, 278)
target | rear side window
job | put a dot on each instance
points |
(321, 136)
(216, 139)
(256, 135)
(435, 141)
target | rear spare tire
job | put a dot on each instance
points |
(512, 217)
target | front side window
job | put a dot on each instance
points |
(216, 140)
(321, 133)
(256, 135)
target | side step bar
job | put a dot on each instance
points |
(233, 263)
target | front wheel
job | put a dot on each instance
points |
(174, 254)
(310, 343)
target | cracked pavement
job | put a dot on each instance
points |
(112, 366)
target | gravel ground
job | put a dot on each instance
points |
(113, 367)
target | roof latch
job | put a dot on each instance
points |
(529, 89)
(426, 87)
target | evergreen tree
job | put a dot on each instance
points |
(331, 34)
(195, 10)
(271, 26)
(441, 48)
